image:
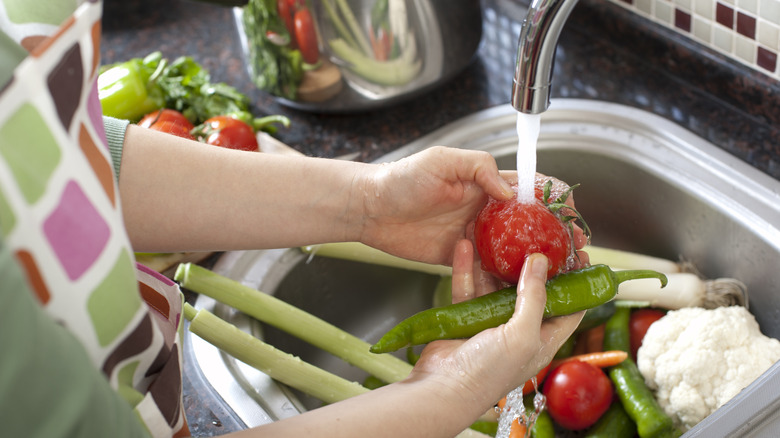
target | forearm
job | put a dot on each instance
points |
(409, 409)
(179, 195)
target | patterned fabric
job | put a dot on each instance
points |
(61, 217)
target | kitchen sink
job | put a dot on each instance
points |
(646, 186)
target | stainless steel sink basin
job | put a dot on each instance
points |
(646, 186)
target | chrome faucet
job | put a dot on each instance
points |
(536, 53)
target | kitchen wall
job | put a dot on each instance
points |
(747, 31)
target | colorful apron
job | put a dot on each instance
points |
(60, 213)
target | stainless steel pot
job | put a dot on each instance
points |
(428, 43)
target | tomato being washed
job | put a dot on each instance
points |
(578, 394)
(228, 132)
(507, 232)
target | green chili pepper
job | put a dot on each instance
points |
(635, 397)
(615, 423)
(566, 293)
(489, 428)
(595, 316)
(543, 426)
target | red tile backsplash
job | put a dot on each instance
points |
(746, 25)
(766, 59)
(682, 20)
(724, 15)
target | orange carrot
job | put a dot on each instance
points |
(601, 359)
(517, 430)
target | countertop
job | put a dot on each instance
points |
(604, 53)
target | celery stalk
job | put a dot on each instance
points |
(618, 259)
(359, 252)
(339, 25)
(356, 30)
(278, 365)
(283, 316)
(398, 71)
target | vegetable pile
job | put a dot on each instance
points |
(696, 359)
(178, 97)
(592, 388)
(285, 47)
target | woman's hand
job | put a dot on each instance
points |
(492, 363)
(420, 206)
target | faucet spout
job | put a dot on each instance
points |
(536, 53)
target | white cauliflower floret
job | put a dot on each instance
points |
(697, 359)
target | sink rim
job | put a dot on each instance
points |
(645, 140)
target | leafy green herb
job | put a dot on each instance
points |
(276, 68)
(133, 88)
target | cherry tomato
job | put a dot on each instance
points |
(507, 232)
(168, 120)
(578, 394)
(529, 385)
(173, 128)
(286, 10)
(165, 115)
(640, 321)
(306, 36)
(228, 132)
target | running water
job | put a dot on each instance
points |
(515, 410)
(528, 126)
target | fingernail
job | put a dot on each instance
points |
(537, 265)
(506, 188)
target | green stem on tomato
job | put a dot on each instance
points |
(286, 317)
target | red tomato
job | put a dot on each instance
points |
(507, 232)
(306, 36)
(640, 321)
(529, 385)
(168, 120)
(578, 394)
(173, 128)
(228, 132)
(286, 10)
(165, 115)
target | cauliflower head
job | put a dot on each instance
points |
(697, 359)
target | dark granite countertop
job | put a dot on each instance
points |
(605, 53)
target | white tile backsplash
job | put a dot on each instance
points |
(747, 31)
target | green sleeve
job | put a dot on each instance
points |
(115, 134)
(48, 387)
(11, 54)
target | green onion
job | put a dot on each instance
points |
(398, 71)
(358, 252)
(354, 26)
(286, 317)
(278, 365)
(618, 259)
